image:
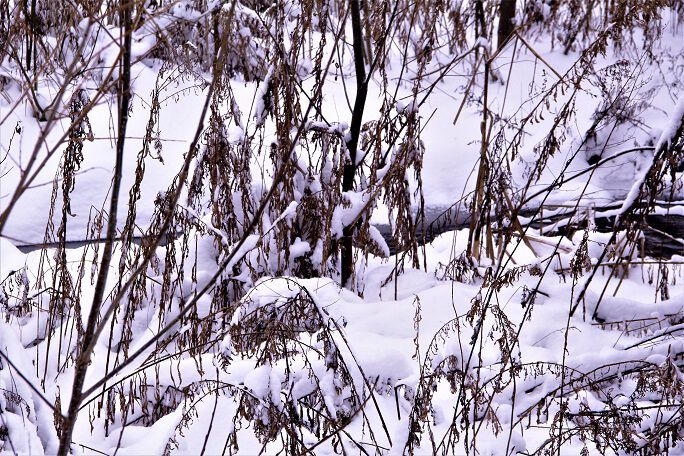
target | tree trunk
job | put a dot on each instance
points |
(506, 21)
(347, 251)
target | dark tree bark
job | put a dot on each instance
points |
(506, 21)
(347, 251)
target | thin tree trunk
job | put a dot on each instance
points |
(506, 21)
(347, 253)
(82, 362)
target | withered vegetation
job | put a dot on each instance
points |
(276, 192)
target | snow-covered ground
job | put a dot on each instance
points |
(451, 149)
(391, 340)
(532, 352)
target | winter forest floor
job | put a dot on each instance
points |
(515, 219)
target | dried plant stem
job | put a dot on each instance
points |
(83, 361)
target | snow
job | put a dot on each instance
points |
(675, 121)
(377, 238)
(27, 418)
(385, 348)
(401, 331)
(262, 103)
(12, 258)
(445, 145)
(345, 215)
(299, 248)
